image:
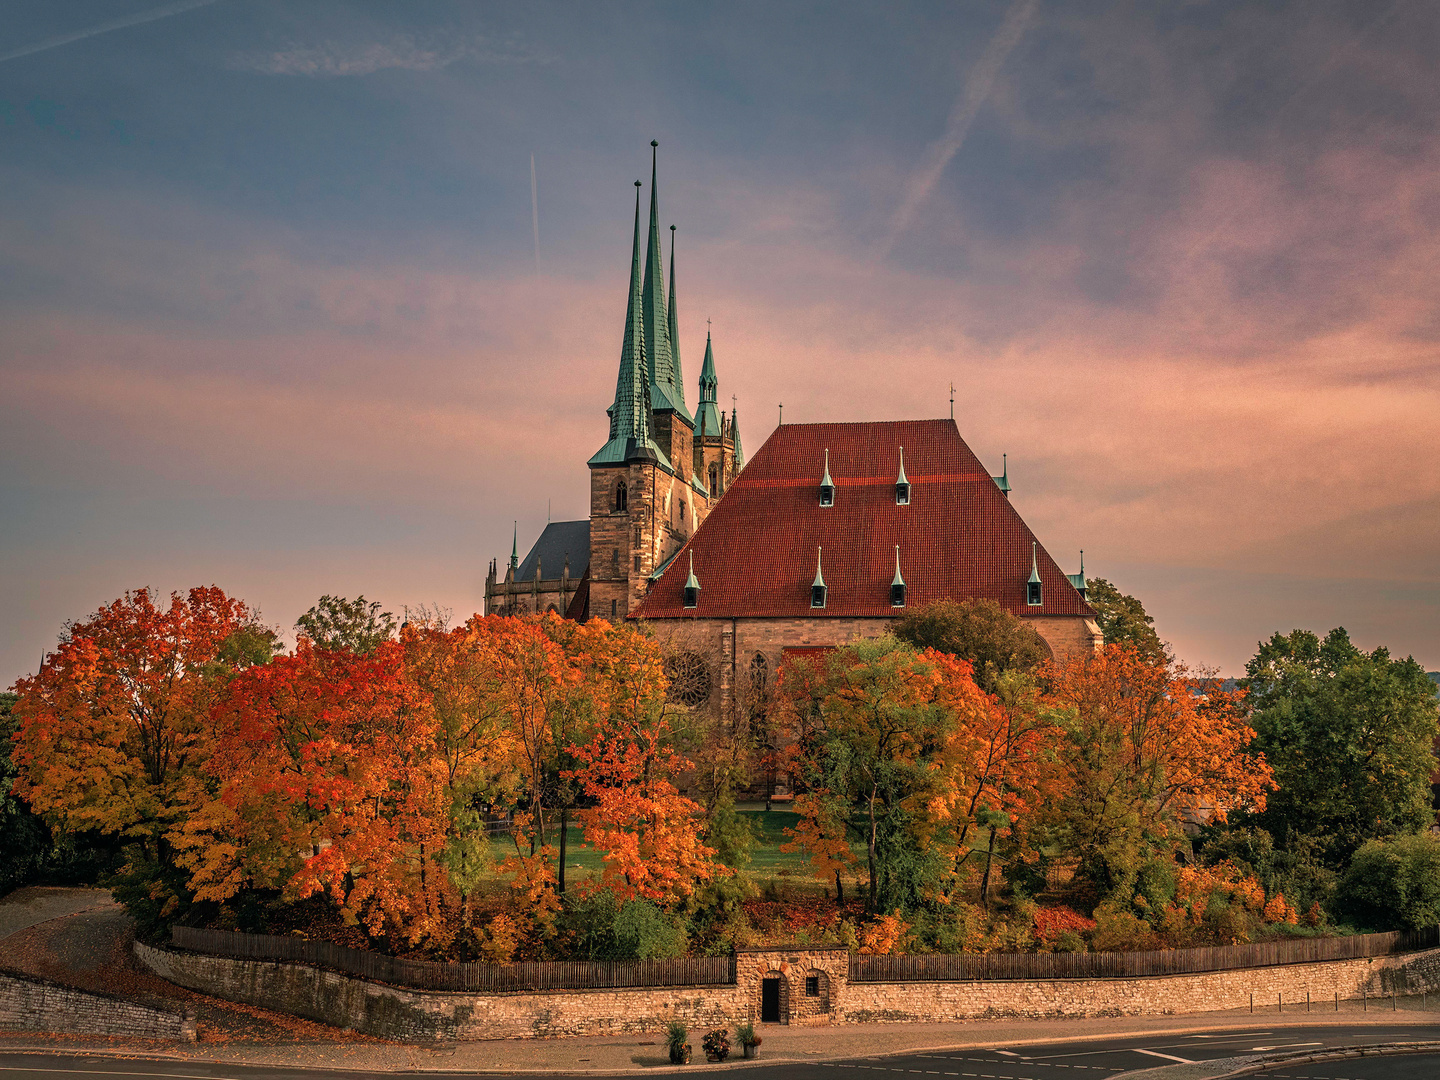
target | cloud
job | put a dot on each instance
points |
(334, 59)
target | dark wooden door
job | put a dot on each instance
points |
(769, 1001)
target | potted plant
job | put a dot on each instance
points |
(748, 1040)
(717, 1045)
(677, 1035)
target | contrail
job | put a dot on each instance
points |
(106, 27)
(977, 88)
(535, 212)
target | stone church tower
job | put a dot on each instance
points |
(661, 469)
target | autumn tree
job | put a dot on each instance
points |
(1123, 619)
(114, 728)
(992, 639)
(455, 675)
(628, 770)
(1143, 750)
(329, 783)
(338, 624)
(1351, 738)
(1000, 770)
(867, 723)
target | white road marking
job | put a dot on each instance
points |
(1286, 1046)
(1167, 1057)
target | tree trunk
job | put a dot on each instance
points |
(870, 856)
(564, 835)
(985, 878)
(839, 890)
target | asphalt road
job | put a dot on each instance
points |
(1055, 1061)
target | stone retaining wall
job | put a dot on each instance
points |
(814, 989)
(1163, 994)
(31, 1004)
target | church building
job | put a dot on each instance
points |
(655, 479)
(832, 531)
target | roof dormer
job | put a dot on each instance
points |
(1003, 480)
(817, 589)
(1078, 580)
(897, 585)
(827, 486)
(1032, 587)
(902, 483)
(692, 586)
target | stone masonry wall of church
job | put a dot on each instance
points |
(727, 641)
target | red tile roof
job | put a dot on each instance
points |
(959, 537)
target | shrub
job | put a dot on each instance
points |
(602, 927)
(1117, 930)
(883, 934)
(1055, 925)
(1393, 885)
(745, 1034)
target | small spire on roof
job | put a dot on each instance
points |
(692, 582)
(515, 548)
(819, 581)
(1034, 566)
(827, 486)
(1003, 480)
(901, 479)
(898, 580)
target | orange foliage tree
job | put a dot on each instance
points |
(1145, 748)
(999, 768)
(329, 782)
(115, 726)
(649, 832)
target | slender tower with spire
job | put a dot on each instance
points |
(674, 427)
(657, 476)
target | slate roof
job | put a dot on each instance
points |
(558, 539)
(959, 537)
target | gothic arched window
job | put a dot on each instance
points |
(622, 497)
(714, 479)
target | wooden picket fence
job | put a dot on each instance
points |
(720, 970)
(475, 978)
(981, 967)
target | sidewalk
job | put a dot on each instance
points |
(637, 1053)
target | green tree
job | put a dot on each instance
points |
(1123, 619)
(1350, 736)
(981, 631)
(340, 625)
(870, 723)
(1393, 885)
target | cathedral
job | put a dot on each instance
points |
(655, 479)
(831, 532)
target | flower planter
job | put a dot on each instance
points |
(751, 1051)
(680, 1053)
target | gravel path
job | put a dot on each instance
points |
(82, 938)
(27, 907)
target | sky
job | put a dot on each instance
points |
(273, 315)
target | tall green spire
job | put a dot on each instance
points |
(673, 317)
(630, 413)
(707, 413)
(515, 548)
(665, 394)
